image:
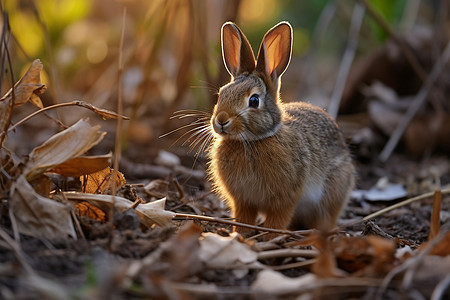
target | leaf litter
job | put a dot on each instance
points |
(137, 245)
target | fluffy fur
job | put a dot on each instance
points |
(286, 161)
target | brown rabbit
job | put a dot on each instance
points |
(287, 161)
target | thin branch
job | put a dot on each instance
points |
(102, 112)
(297, 234)
(416, 104)
(403, 203)
(289, 252)
(300, 264)
(347, 60)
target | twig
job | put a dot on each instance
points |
(415, 105)
(102, 112)
(410, 264)
(435, 215)
(349, 55)
(118, 141)
(7, 29)
(297, 234)
(295, 265)
(440, 289)
(289, 252)
(17, 251)
(403, 203)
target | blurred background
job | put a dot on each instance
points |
(172, 61)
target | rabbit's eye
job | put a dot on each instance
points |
(253, 101)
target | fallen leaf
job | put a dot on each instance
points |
(183, 250)
(37, 215)
(103, 181)
(65, 145)
(88, 210)
(149, 213)
(157, 188)
(226, 252)
(82, 165)
(29, 86)
(270, 281)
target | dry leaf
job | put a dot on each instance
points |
(226, 252)
(68, 144)
(182, 251)
(82, 165)
(149, 213)
(28, 87)
(270, 281)
(88, 210)
(103, 182)
(157, 188)
(37, 215)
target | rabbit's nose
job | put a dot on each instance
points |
(222, 122)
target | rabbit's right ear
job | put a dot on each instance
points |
(236, 50)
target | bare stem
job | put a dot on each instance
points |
(297, 234)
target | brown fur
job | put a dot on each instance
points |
(287, 161)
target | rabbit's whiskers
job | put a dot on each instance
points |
(199, 136)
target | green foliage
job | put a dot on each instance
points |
(392, 11)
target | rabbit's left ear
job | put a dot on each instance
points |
(236, 50)
(275, 51)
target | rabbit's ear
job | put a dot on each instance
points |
(236, 50)
(275, 51)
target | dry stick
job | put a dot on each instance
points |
(435, 215)
(440, 288)
(403, 203)
(297, 234)
(349, 55)
(52, 70)
(118, 141)
(300, 264)
(99, 111)
(288, 253)
(17, 251)
(13, 94)
(418, 101)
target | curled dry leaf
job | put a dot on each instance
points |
(82, 165)
(28, 87)
(68, 144)
(103, 182)
(37, 215)
(226, 252)
(149, 213)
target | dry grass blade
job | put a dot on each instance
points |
(435, 215)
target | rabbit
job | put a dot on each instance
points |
(287, 161)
